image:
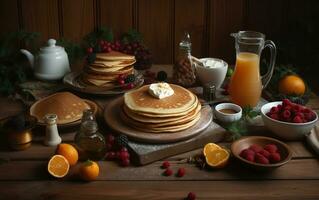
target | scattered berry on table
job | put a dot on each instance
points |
(166, 164)
(181, 172)
(191, 196)
(168, 172)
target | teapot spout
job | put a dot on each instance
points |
(29, 56)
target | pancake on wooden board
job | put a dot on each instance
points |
(65, 105)
(141, 101)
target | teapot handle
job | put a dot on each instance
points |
(266, 78)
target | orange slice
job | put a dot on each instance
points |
(58, 166)
(69, 152)
(217, 158)
(209, 147)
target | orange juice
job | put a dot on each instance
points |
(245, 84)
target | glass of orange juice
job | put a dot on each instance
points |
(246, 83)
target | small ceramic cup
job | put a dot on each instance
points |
(228, 117)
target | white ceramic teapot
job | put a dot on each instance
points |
(51, 63)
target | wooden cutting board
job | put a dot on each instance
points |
(145, 153)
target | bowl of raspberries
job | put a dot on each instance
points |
(288, 120)
(261, 153)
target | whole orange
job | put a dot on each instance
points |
(89, 170)
(292, 85)
(69, 152)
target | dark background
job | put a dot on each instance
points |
(292, 24)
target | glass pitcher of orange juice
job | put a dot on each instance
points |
(246, 83)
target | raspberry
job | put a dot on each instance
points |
(168, 172)
(110, 139)
(279, 107)
(244, 153)
(124, 155)
(286, 102)
(287, 107)
(271, 148)
(165, 165)
(274, 116)
(121, 81)
(121, 77)
(125, 162)
(89, 50)
(265, 153)
(111, 155)
(261, 159)
(191, 196)
(274, 110)
(286, 115)
(181, 172)
(130, 86)
(274, 157)
(297, 119)
(256, 148)
(123, 149)
(250, 157)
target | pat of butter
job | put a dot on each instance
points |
(160, 90)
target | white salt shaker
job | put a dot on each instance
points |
(52, 137)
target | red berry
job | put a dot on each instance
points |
(271, 148)
(111, 155)
(297, 119)
(265, 153)
(244, 153)
(121, 77)
(130, 86)
(286, 102)
(274, 110)
(274, 116)
(102, 42)
(109, 49)
(261, 159)
(286, 115)
(89, 50)
(168, 172)
(256, 148)
(165, 164)
(121, 82)
(181, 172)
(191, 196)
(125, 162)
(124, 155)
(279, 107)
(110, 138)
(274, 157)
(250, 157)
(124, 149)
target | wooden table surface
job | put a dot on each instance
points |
(23, 175)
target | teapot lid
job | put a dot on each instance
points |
(51, 47)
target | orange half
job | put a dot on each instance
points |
(209, 147)
(58, 166)
(217, 158)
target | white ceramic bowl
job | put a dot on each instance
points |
(286, 130)
(214, 75)
(225, 117)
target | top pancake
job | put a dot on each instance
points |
(114, 56)
(65, 105)
(141, 101)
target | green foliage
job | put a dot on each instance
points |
(240, 127)
(132, 36)
(74, 50)
(101, 34)
(12, 72)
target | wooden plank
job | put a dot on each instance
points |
(78, 18)
(190, 17)
(158, 36)
(41, 16)
(9, 16)
(114, 190)
(117, 15)
(225, 17)
(301, 169)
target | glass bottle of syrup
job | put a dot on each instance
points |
(89, 141)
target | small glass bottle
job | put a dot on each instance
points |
(184, 70)
(90, 142)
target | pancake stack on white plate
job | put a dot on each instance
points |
(175, 113)
(106, 68)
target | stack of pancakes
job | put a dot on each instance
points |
(106, 68)
(174, 113)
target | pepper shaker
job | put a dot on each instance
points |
(52, 137)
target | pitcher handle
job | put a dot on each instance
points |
(266, 78)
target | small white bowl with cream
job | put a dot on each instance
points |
(228, 112)
(212, 71)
